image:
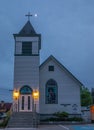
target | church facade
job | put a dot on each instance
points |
(58, 89)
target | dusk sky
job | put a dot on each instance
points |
(67, 29)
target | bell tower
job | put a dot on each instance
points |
(26, 65)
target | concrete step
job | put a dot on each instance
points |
(22, 119)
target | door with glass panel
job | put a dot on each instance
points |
(25, 103)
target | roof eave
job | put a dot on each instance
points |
(26, 35)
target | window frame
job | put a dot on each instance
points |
(55, 88)
(51, 68)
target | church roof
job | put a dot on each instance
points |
(62, 67)
(27, 29)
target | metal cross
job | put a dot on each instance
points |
(28, 15)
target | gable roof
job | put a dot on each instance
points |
(62, 67)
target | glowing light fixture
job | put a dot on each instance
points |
(16, 94)
(35, 94)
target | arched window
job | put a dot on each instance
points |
(26, 90)
(51, 92)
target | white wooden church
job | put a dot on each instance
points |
(58, 89)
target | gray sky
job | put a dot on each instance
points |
(67, 29)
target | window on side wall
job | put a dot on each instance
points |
(50, 68)
(51, 93)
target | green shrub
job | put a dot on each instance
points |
(4, 123)
(63, 119)
(61, 114)
(5, 120)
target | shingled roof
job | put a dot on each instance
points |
(27, 29)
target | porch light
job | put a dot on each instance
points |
(35, 94)
(16, 94)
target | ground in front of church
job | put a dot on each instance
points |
(57, 127)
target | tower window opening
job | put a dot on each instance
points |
(27, 48)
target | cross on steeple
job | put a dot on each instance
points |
(28, 15)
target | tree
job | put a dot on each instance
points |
(86, 98)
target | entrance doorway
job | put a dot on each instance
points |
(25, 101)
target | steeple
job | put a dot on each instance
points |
(27, 29)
